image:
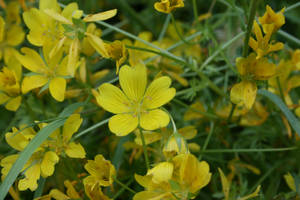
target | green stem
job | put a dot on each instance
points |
(212, 127)
(249, 150)
(195, 10)
(280, 89)
(292, 7)
(289, 37)
(124, 186)
(122, 189)
(224, 46)
(177, 31)
(164, 28)
(90, 128)
(253, 7)
(231, 112)
(144, 148)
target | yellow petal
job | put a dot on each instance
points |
(14, 103)
(32, 175)
(57, 47)
(159, 93)
(3, 98)
(74, 150)
(162, 172)
(252, 195)
(71, 192)
(49, 4)
(112, 99)
(122, 124)
(194, 112)
(290, 181)
(2, 28)
(244, 93)
(57, 88)
(48, 163)
(133, 81)
(71, 126)
(31, 60)
(58, 195)
(57, 16)
(188, 132)
(225, 184)
(32, 82)
(153, 195)
(97, 44)
(101, 16)
(15, 35)
(154, 119)
(70, 10)
(73, 57)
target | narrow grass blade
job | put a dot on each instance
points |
(289, 115)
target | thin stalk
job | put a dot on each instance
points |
(144, 148)
(249, 150)
(90, 128)
(224, 46)
(253, 7)
(292, 7)
(289, 37)
(164, 28)
(195, 10)
(122, 189)
(231, 113)
(177, 31)
(124, 186)
(280, 89)
(212, 127)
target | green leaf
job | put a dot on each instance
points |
(289, 115)
(174, 185)
(25, 155)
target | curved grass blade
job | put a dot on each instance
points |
(24, 156)
(289, 115)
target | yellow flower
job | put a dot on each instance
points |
(53, 72)
(262, 45)
(10, 91)
(61, 141)
(42, 29)
(167, 6)
(244, 94)
(117, 51)
(193, 113)
(257, 69)
(136, 105)
(182, 176)
(285, 81)
(11, 35)
(43, 160)
(270, 17)
(41, 163)
(250, 69)
(74, 29)
(101, 172)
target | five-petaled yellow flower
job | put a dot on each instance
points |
(167, 6)
(135, 105)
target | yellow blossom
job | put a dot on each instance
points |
(10, 91)
(101, 172)
(296, 58)
(270, 17)
(262, 45)
(244, 94)
(182, 176)
(135, 105)
(167, 6)
(50, 72)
